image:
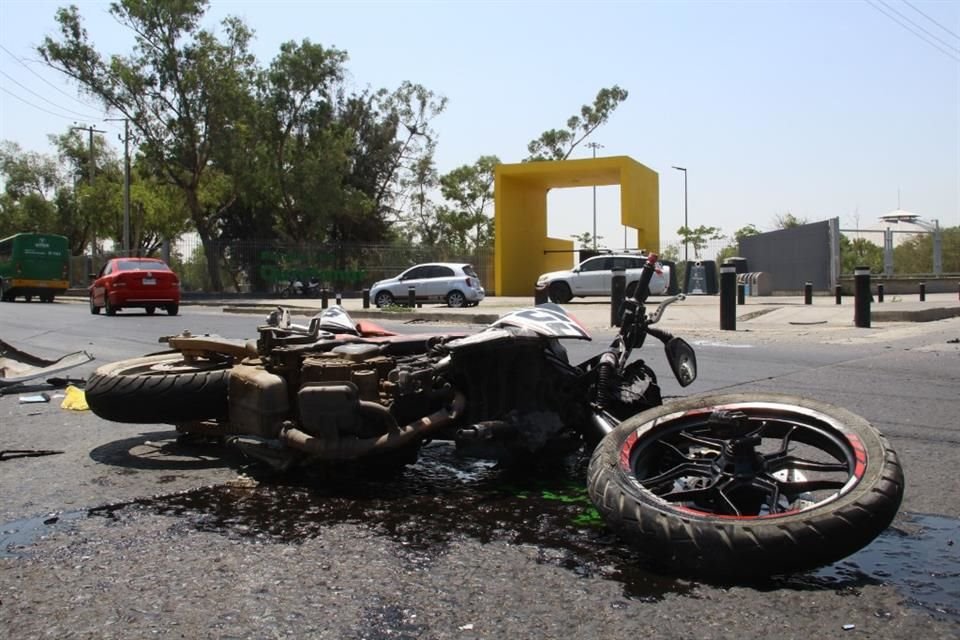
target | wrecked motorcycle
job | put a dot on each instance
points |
(731, 485)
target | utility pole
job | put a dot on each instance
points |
(90, 171)
(595, 146)
(126, 184)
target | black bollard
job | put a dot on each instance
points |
(618, 287)
(861, 297)
(838, 292)
(324, 298)
(741, 294)
(540, 295)
(411, 297)
(339, 299)
(728, 298)
(923, 292)
(366, 298)
(880, 292)
(808, 293)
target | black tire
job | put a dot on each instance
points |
(383, 299)
(94, 309)
(560, 292)
(173, 309)
(456, 299)
(159, 389)
(108, 308)
(150, 309)
(639, 468)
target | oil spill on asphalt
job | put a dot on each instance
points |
(444, 498)
(16, 536)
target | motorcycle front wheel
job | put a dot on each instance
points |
(746, 485)
(162, 388)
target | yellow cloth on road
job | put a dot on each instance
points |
(74, 400)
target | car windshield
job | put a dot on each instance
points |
(142, 265)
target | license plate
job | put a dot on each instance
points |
(147, 281)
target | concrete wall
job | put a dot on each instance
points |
(795, 256)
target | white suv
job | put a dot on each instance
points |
(593, 277)
(455, 283)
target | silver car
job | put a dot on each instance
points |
(455, 283)
(593, 277)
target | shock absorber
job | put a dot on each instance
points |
(605, 373)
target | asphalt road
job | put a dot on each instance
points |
(148, 561)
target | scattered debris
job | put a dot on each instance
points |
(466, 627)
(18, 366)
(7, 454)
(40, 397)
(74, 400)
(49, 385)
(807, 323)
(849, 627)
(954, 341)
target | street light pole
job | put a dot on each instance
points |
(686, 254)
(595, 146)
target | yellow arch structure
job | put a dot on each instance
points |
(522, 249)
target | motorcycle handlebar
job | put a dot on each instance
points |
(643, 285)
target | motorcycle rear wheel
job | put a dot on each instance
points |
(162, 388)
(794, 485)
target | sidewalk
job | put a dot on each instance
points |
(774, 316)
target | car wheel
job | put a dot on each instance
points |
(456, 299)
(383, 299)
(173, 309)
(560, 292)
(150, 309)
(108, 308)
(94, 309)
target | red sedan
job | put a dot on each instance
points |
(135, 282)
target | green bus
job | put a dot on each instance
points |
(34, 264)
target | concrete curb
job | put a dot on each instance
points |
(422, 316)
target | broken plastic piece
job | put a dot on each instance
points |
(39, 397)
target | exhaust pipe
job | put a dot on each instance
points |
(342, 449)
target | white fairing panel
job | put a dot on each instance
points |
(545, 320)
(336, 320)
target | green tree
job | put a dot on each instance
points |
(733, 249)
(788, 221)
(30, 183)
(469, 188)
(585, 240)
(699, 237)
(304, 153)
(860, 252)
(558, 144)
(915, 255)
(180, 88)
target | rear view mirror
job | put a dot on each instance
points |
(682, 360)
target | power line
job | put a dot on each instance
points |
(909, 4)
(28, 103)
(947, 51)
(55, 87)
(31, 91)
(946, 44)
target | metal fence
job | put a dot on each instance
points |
(266, 268)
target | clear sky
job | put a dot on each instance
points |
(821, 109)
